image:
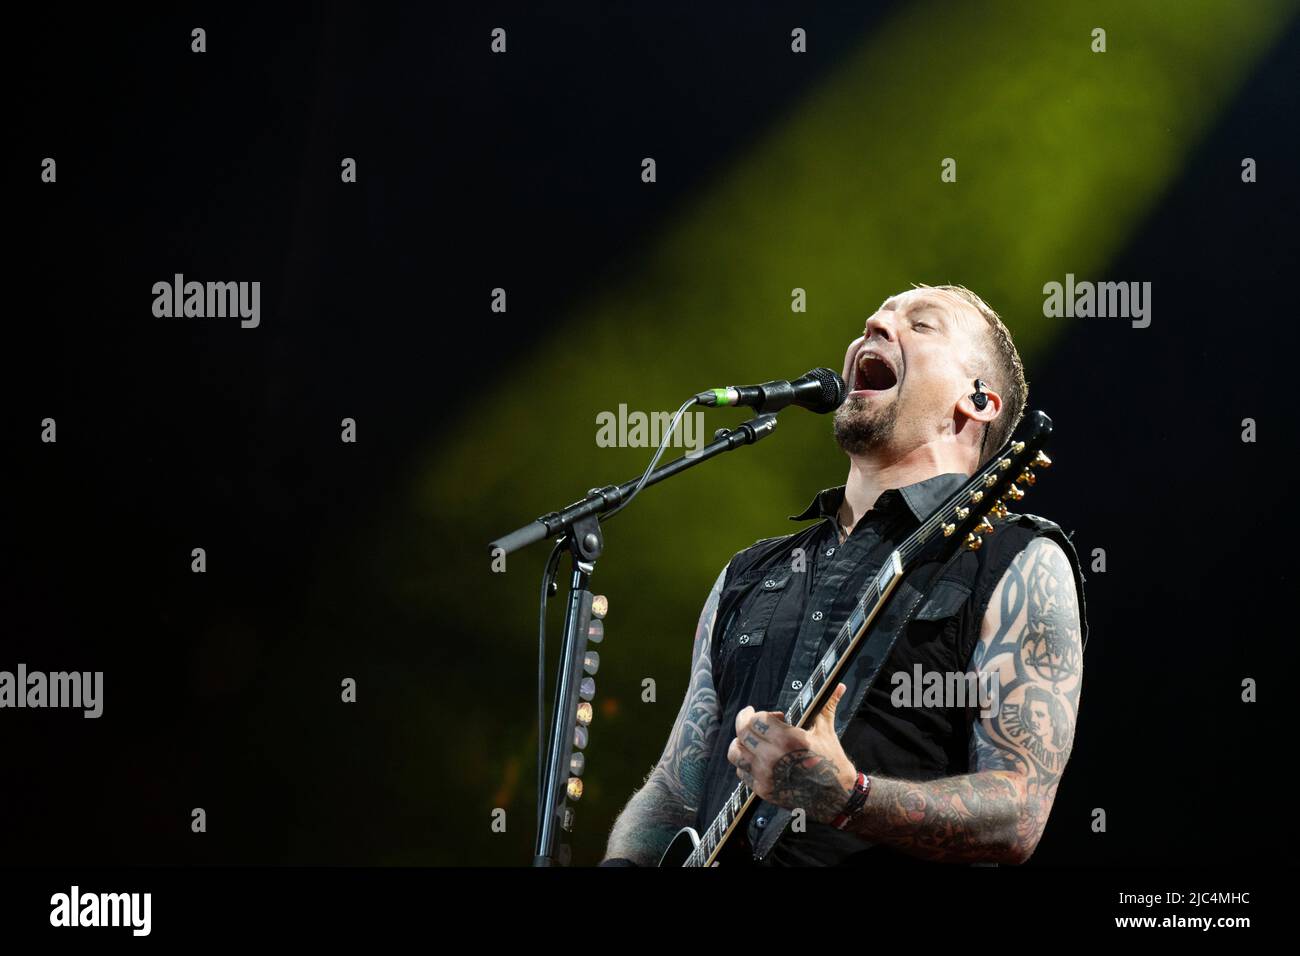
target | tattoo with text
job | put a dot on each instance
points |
(1031, 644)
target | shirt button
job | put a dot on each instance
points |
(760, 822)
(817, 615)
(829, 552)
(796, 685)
(744, 638)
(769, 583)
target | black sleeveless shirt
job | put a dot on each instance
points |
(784, 600)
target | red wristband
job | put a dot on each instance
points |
(857, 801)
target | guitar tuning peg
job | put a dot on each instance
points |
(599, 606)
(1014, 493)
(963, 514)
(1017, 448)
(1042, 461)
(999, 510)
(948, 529)
(984, 526)
(1028, 477)
(973, 542)
(1004, 464)
(574, 788)
(596, 631)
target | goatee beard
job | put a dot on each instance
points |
(859, 431)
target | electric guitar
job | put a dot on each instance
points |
(964, 519)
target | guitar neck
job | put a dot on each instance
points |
(961, 518)
(810, 698)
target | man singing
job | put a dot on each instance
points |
(937, 388)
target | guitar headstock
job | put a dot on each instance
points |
(971, 513)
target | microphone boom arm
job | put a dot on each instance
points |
(599, 501)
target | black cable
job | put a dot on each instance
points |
(663, 444)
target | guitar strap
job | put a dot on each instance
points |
(858, 677)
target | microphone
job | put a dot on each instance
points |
(820, 391)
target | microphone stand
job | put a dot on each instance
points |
(579, 523)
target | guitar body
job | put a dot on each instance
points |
(681, 847)
(733, 853)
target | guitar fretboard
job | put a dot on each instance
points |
(844, 642)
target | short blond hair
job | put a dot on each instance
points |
(1005, 369)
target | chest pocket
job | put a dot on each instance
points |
(757, 610)
(745, 636)
(932, 640)
(944, 601)
(937, 637)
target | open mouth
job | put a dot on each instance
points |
(873, 374)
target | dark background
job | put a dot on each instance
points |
(222, 689)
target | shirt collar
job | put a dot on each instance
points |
(921, 498)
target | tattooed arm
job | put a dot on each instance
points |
(1030, 650)
(670, 796)
(1030, 647)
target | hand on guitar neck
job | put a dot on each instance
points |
(794, 767)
